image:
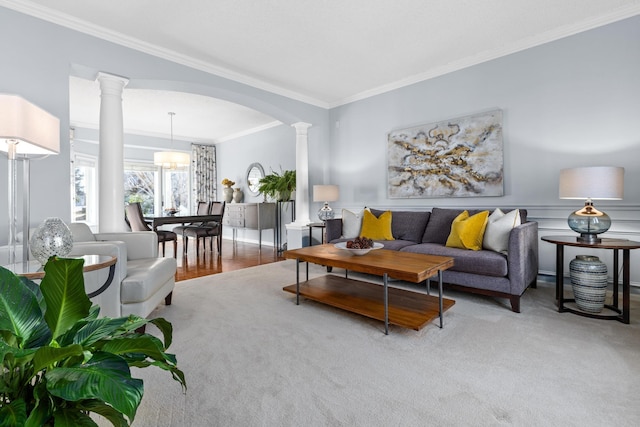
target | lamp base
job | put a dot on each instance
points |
(588, 238)
(589, 222)
(325, 213)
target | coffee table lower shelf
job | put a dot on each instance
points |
(408, 309)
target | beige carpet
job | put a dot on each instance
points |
(253, 358)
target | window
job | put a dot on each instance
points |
(156, 192)
(85, 203)
(139, 185)
(141, 180)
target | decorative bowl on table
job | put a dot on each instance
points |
(343, 246)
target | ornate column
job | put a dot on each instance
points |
(111, 158)
(297, 229)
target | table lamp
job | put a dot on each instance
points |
(591, 183)
(326, 194)
(25, 130)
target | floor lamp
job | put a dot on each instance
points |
(26, 131)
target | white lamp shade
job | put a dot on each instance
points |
(597, 182)
(35, 130)
(171, 159)
(325, 193)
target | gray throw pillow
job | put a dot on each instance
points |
(407, 225)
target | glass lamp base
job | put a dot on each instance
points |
(325, 213)
(589, 222)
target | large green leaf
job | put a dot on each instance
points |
(105, 377)
(71, 417)
(105, 410)
(64, 293)
(13, 414)
(20, 312)
(47, 356)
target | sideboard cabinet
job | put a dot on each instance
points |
(250, 216)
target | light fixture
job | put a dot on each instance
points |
(591, 183)
(171, 159)
(25, 130)
(326, 194)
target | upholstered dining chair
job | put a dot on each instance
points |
(136, 221)
(209, 229)
(202, 209)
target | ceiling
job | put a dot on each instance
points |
(324, 52)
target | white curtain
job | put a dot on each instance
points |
(203, 165)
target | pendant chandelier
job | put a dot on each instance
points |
(171, 159)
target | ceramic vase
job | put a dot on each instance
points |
(227, 193)
(52, 237)
(589, 282)
(238, 195)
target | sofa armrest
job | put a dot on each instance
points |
(334, 229)
(523, 256)
(140, 244)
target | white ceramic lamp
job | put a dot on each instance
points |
(591, 183)
(25, 130)
(326, 194)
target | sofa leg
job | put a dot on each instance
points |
(515, 303)
(167, 299)
(534, 284)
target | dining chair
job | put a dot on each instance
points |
(202, 209)
(209, 229)
(136, 221)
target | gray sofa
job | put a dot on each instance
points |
(504, 275)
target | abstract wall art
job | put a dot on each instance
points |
(460, 157)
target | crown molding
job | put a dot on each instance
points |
(70, 22)
(527, 43)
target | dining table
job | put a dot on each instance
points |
(157, 221)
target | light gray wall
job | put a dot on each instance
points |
(42, 56)
(573, 102)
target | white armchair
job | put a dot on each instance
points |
(141, 280)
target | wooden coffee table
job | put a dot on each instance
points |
(392, 305)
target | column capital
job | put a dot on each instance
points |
(301, 127)
(111, 82)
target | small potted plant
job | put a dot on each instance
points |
(278, 186)
(60, 362)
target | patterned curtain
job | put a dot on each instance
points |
(205, 181)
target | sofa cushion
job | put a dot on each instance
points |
(351, 224)
(376, 228)
(467, 231)
(486, 263)
(145, 277)
(407, 225)
(439, 225)
(499, 226)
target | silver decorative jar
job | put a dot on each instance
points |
(589, 282)
(52, 237)
(238, 195)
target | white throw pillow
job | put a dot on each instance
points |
(351, 224)
(499, 225)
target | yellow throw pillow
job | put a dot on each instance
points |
(467, 231)
(376, 228)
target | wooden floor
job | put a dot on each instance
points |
(234, 257)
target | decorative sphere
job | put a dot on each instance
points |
(52, 237)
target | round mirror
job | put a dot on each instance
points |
(254, 174)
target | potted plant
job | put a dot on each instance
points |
(60, 362)
(278, 186)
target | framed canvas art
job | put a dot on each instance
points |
(460, 157)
